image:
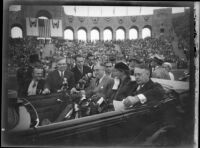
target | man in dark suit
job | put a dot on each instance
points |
(59, 79)
(35, 86)
(25, 73)
(146, 91)
(91, 61)
(80, 70)
(101, 84)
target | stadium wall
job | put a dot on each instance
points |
(161, 19)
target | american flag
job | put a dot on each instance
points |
(44, 28)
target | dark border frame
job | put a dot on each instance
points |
(7, 3)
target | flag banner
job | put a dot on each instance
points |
(56, 28)
(32, 27)
(44, 28)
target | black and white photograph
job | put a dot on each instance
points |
(100, 74)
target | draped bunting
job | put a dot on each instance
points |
(44, 28)
(32, 27)
(56, 28)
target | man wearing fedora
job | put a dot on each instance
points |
(158, 70)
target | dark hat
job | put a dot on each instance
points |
(158, 58)
(121, 66)
(89, 55)
(34, 58)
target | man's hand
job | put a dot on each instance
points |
(46, 91)
(130, 100)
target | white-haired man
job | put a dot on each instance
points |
(168, 68)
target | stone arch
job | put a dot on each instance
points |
(92, 33)
(71, 37)
(120, 33)
(44, 13)
(19, 28)
(108, 33)
(149, 31)
(131, 33)
(84, 37)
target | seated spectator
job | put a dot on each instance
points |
(80, 69)
(25, 73)
(145, 90)
(123, 84)
(59, 79)
(159, 72)
(168, 67)
(35, 86)
(101, 84)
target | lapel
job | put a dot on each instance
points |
(100, 85)
(145, 87)
(78, 71)
(58, 76)
(40, 86)
(102, 82)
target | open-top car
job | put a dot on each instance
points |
(58, 119)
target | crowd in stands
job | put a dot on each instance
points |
(19, 50)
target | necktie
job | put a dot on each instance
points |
(97, 82)
(34, 84)
(139, 87)
(62, 74)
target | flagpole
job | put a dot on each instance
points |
(75, 10)
(88, 10)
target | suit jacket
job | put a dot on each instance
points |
(39, 89)
(125, 89)
(154, 92)
(103, 89)
(54, 80)
(78, 75)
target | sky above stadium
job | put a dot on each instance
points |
(114, 11)
(108, 10)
